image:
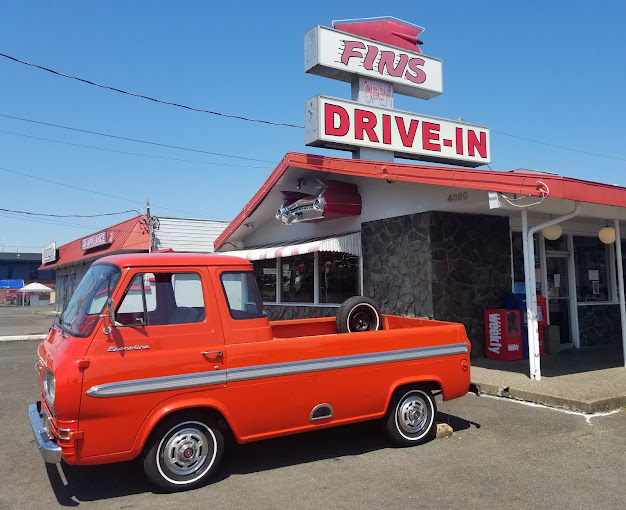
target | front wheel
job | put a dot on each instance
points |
(183, 453)
(410, 418)
(14, 301)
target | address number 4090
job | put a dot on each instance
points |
(457, 197)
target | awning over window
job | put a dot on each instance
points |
(348, 243)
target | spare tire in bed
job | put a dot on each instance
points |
(358, 313)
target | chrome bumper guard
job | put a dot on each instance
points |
(50, 451)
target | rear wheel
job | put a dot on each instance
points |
(183, 452)
(14, 301)
(410, 418)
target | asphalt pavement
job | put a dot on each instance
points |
(25, 320)
(503, 454)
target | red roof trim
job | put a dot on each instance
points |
(128, 236)
(488, 180)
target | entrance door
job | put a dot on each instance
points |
(559, 295)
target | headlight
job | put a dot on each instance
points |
(49, 385)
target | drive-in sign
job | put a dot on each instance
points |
(339, 124)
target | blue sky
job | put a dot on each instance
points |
(550, 71)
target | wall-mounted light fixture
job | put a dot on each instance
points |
(607, 235)
(553, 232)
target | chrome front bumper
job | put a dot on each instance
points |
(50, 451)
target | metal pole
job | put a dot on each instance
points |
(620, 284)
(149, 225)
(527, 283)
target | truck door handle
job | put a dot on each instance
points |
(218, 354)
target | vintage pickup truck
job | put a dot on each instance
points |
(161, 355)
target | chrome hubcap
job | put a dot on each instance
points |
(186, 451)
(412, 414)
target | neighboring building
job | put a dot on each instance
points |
(23, 266)
(437, 242)
(131, 236)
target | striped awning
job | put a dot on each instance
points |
(347, 243)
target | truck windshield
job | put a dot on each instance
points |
(87, 302)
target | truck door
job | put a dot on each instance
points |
(165, 341)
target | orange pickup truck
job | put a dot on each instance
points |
(161, 355)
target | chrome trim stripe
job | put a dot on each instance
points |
(356, 360)
(171, 382)
(168, 382)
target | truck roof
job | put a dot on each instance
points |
(174, 259)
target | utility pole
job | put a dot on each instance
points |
(149, 224)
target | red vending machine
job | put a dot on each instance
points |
(503, 334)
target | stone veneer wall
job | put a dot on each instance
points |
(397, 264)
(441, 265)
(599, 325)
(471, 256)
(282, 312)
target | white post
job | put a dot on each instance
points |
(620, 285)
(529, 281)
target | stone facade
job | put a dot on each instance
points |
(440, 265)
(599, 325)
(397, 264)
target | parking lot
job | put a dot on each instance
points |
(25, 320)
(503, 455)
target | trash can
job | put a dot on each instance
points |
(518, 302)
(503, 335)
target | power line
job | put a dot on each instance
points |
(94, 192)
(88, 82)
(47, 221)
(178, 147)
(129, 153)
(559, 146)
(70, 215)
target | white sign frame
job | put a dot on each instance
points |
(326, 54)
(407, 135)
(49, 252)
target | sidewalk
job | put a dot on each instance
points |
(585, 380)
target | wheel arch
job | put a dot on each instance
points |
(432, 383)
(168, 408)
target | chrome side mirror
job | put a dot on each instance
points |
(109, 315)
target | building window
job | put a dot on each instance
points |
(312, 278)
(591, 261)
(297, 278)
(519, 275)
(265, 274)
(338, 276)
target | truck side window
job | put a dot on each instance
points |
(242, 295)
(132, 311)
(161, 299)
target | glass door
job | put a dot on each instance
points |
(559, 295)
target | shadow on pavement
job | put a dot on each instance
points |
(73, 484)
(571, 361)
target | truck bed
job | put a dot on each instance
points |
(326, 325)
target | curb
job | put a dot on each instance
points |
(586, 407)
(18, 338)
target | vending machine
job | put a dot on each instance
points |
(518, 302)
(503, 334)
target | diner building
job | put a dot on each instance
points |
(438, 242)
